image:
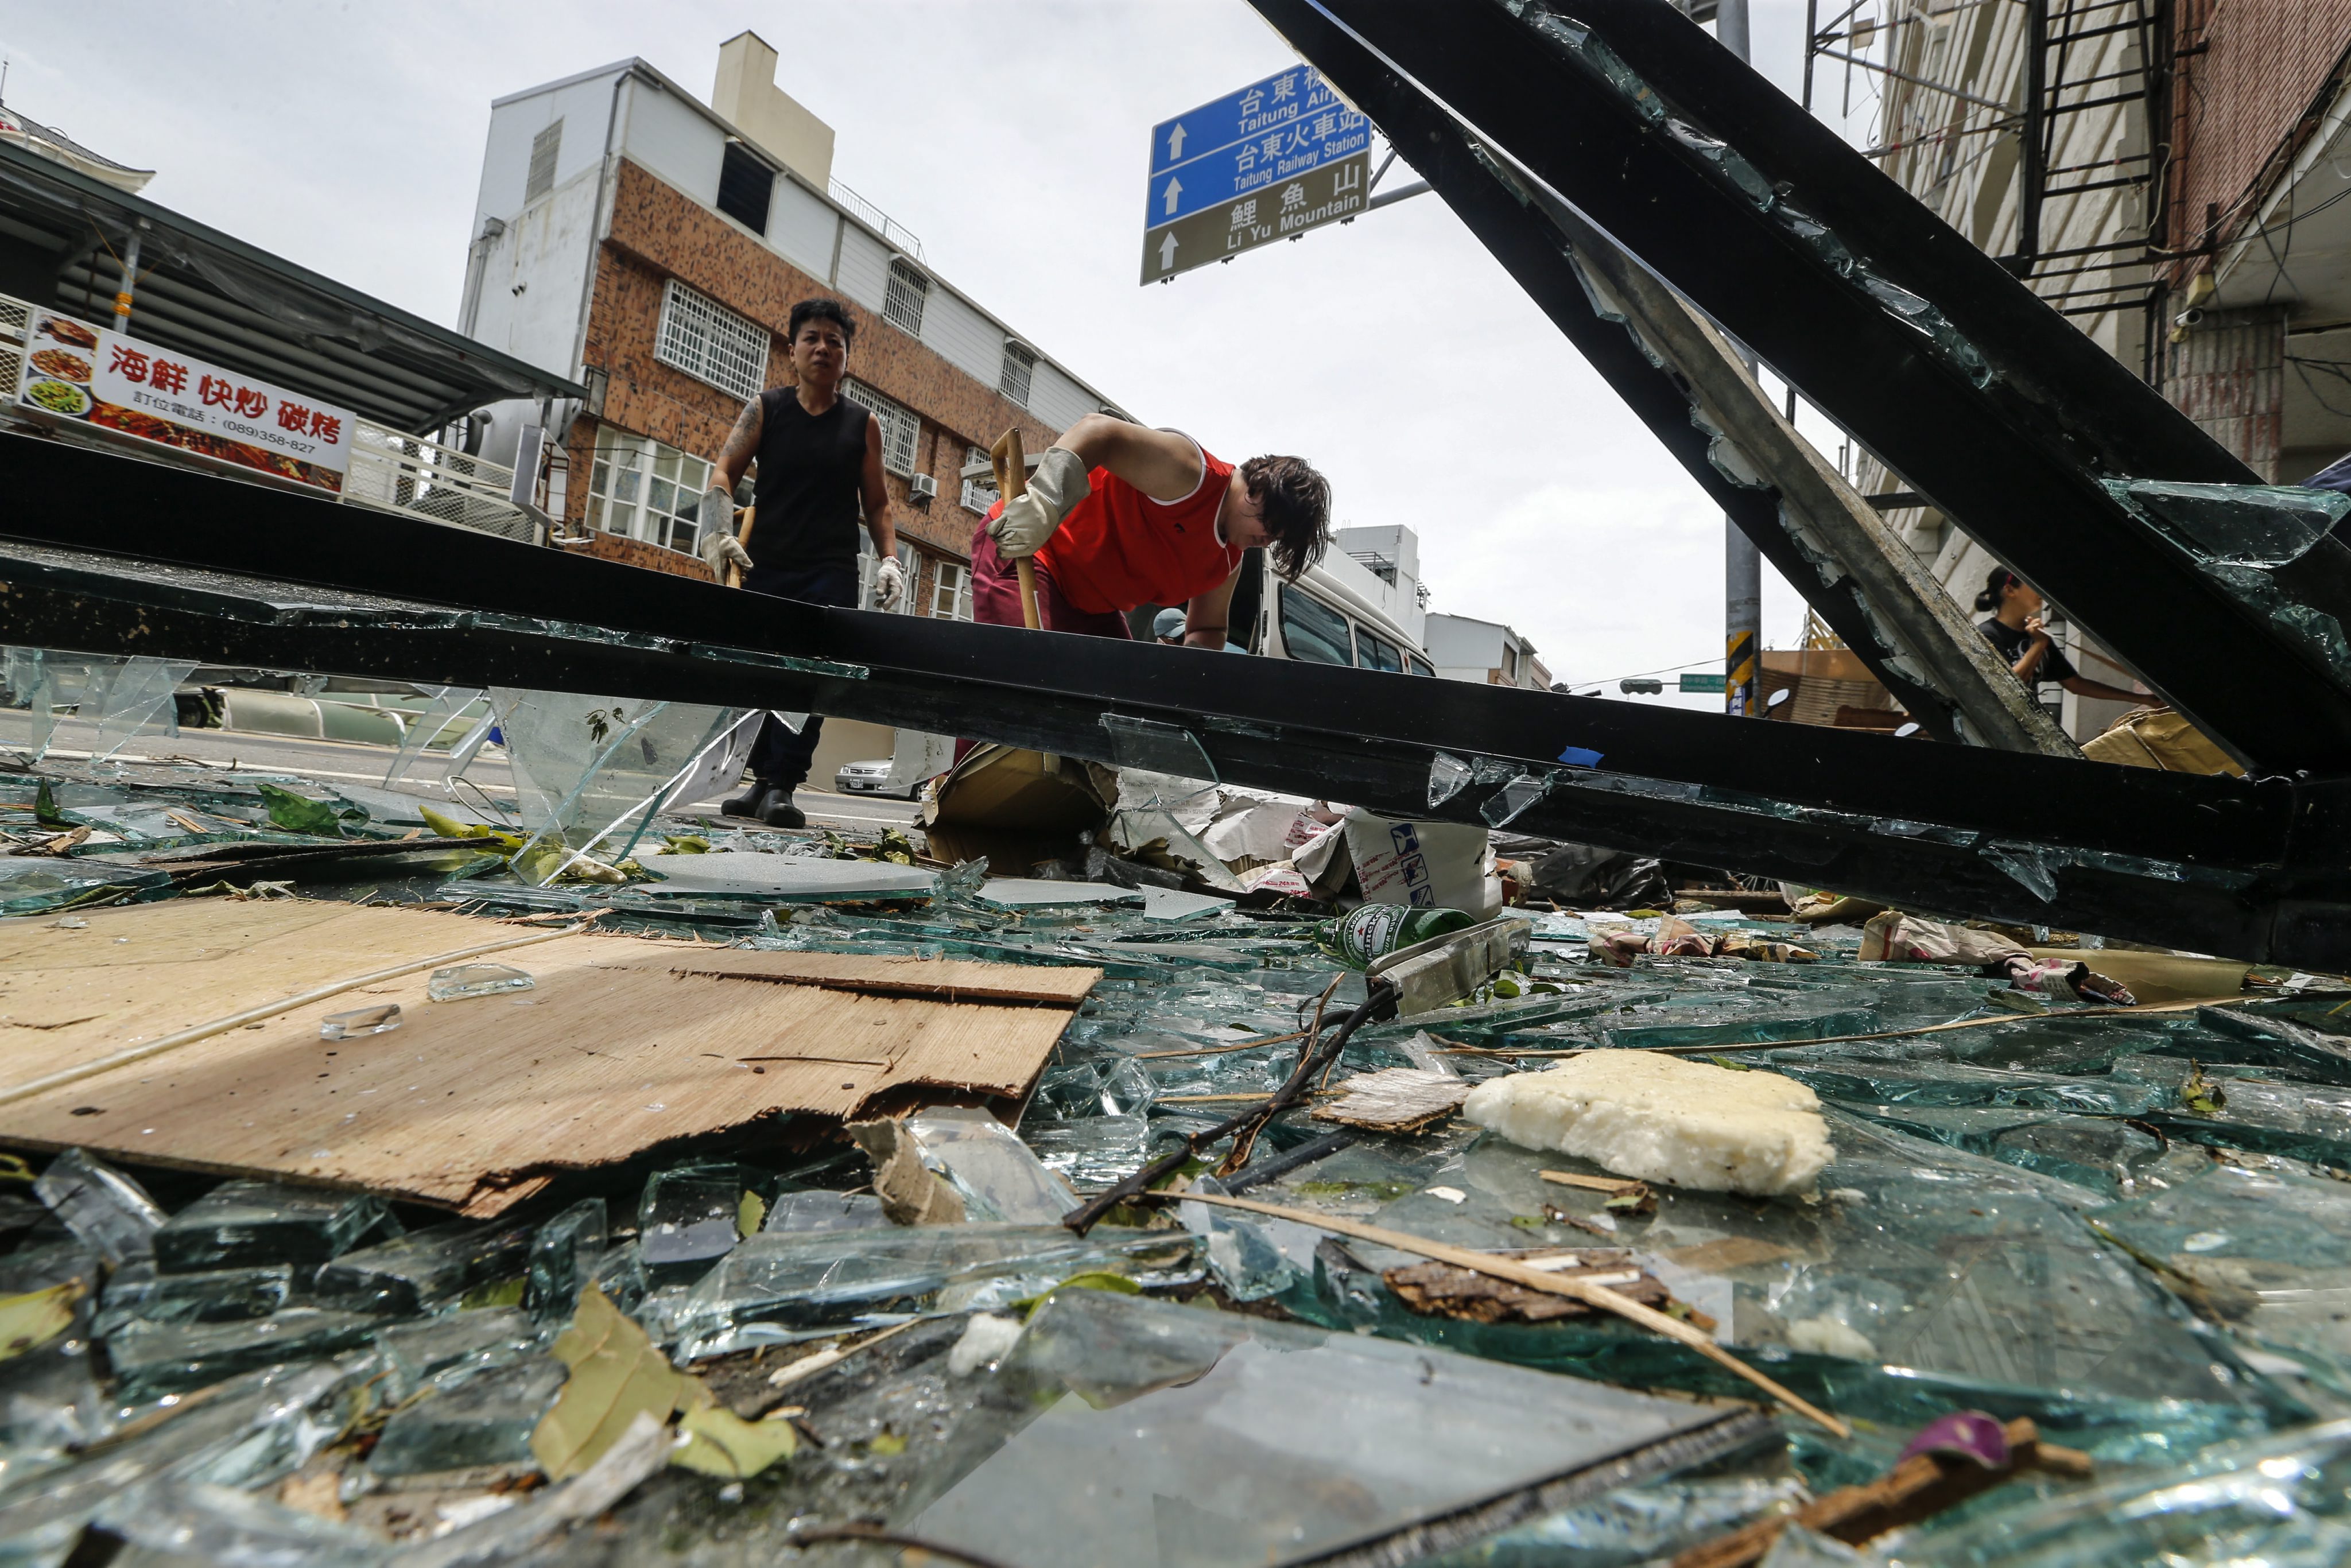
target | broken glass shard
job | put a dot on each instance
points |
(442, 723)
(1157, 748)
(241, 1223)
(1344, 1442)
(689, 1218)
(1503, 807)
(591, 771)
(101, 1206)
(461, 982)
(812, 1211)
(36, 884)
(135, 1292)
(776, 1287)
(484, 1419)
(121, 699)
(360, 1021)
(424, 1269)
(563, 1259)
(996, 1175)
(457, 1344)
(1448, 777)
(2033, 867)
(150, 1360)
(2234, 525)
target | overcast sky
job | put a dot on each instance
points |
(1011, 135)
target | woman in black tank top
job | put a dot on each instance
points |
(818, 455)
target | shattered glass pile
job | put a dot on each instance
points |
(2131, 1224)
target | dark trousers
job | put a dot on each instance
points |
(780, 759)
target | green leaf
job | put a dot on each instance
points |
(750, 1214)
(721, 1443)
(616, 1372)
(1735, 1066)
(44, 808)
(298, 814)
(2201, 1094)
(37, 1317)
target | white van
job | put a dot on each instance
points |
(1326, 617)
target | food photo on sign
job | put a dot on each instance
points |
(75, 371)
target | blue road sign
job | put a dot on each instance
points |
(1289, 124)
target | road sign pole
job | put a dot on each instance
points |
(1742, 575)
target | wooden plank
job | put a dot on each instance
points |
(470, 1105)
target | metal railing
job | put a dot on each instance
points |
(397, 472)
(894, 231)
(389, 470)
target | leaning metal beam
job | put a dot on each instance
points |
(1911, 618)
(1500, 209)
(1974, 390)
(235, 574)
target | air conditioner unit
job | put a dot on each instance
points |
(922, 486)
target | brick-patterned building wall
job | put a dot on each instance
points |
(658, 232)
(2253, 79)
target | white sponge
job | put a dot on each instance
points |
(1661, 1119)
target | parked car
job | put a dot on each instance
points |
(870, 778)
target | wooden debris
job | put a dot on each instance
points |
(910, 1191)
(1918, 1488)
(1613, 1185)
(1394, 1099)
(1446, 1290)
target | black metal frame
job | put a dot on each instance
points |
(235, 574)
(2016, 462)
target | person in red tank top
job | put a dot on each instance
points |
(1118, 516)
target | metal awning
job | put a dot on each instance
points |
(218, 298)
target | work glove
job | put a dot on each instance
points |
(889, 583)
(1059, 483)
(723, 550)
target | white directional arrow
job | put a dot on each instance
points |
(1175, 189)
(1175, 141)
(1167, 252)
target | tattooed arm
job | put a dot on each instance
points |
(742, 445)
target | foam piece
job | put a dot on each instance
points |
(1661, 1119)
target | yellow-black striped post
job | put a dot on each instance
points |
(1739, 672)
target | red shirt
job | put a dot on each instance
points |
(1119, 548)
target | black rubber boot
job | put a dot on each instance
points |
(778, 811)
(751, 801)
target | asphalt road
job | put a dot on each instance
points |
(333, 761)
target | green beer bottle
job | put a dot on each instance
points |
(1371, 931)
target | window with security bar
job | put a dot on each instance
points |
(978, 495)
(1020, 372)
(711, 343)
(901, 428)
(647, 490)
(903, 300)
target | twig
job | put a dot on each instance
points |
(1221, 1049)
(1532, 1278)
(1241, 1128)
(874, 1535)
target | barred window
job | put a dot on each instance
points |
(711, 343)
(901, 428)
(907, 293)
(1019, 372)
(544, 147)
(978, 495)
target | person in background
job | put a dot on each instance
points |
(1167, 627)
(2015, 629)
(820, 457)
(1118, 516)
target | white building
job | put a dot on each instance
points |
(1465, 648)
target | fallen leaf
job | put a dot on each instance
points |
(300, 814)
(2201, 1094)
(617, 1374)
(37, 1317)
(718, 1442)
(749, 1214)
(320, 1493)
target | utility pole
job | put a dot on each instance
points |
(1742, 563)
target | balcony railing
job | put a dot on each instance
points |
(894, 231)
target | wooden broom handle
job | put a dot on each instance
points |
(1012, 479)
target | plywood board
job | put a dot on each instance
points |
(623, 1045)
